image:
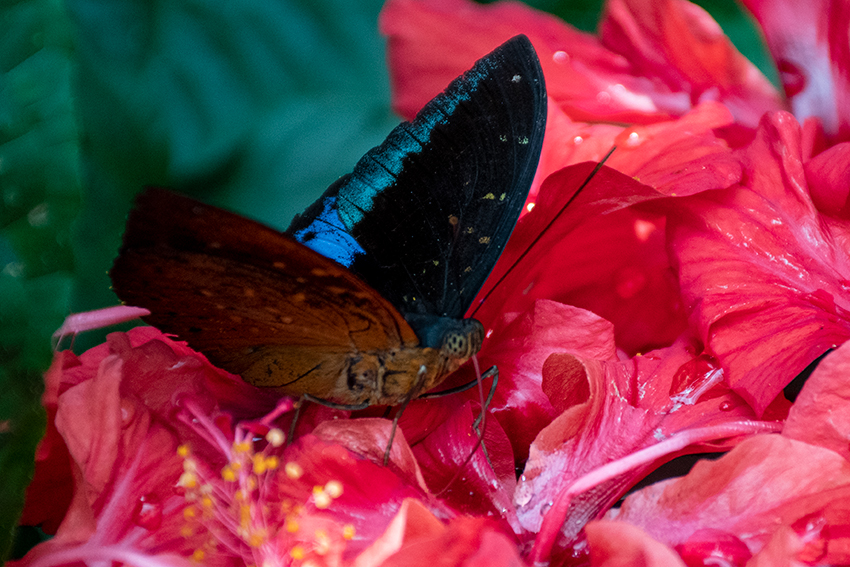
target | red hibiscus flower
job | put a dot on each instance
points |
(164, 472)
(773, 500)
(661, 313)
(722, 253)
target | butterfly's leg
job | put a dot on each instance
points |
(480, 421)
(298, 405)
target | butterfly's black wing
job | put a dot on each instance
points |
(424, 216)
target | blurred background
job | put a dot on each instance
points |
(252, 105)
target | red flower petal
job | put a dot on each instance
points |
(828, 177)
(761, 488)
(476, 488)
(628, 406)
(616, 543)
(821, 414)
(766, 277)
(518, 347)
(679, 45)
(809, 42)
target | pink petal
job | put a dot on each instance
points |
(613, 544)
(80, 322)
(50, 492)
(433, 41)
(474, 487)
(603, 253)
(518, 347)
(821, 414)
(679, 45)
(764, 485)
(468, 542)
(809, 42)
(635, 416)
(412, 522)
(828, 177)
(766, 278)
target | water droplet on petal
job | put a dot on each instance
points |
(561, 57)
(148, 512)
(726, 406)
(523, 494)
(694, 378)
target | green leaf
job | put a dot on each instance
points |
(39, 198)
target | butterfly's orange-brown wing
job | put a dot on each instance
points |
(253, 300)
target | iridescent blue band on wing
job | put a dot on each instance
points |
(328, 236)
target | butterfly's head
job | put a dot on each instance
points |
(462, 339)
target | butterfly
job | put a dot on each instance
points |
(362, 301)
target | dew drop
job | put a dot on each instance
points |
(545, 508)
(633, 139)
(561, 57)
(644, 229)
(603, 97)
(523, 494)
(578, 140)
(694, 378)
(148, 512)
(726, 406)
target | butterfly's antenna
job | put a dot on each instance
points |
(458, 389)
(480, 422)
(545, 229)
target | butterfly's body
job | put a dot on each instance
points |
(363, 301)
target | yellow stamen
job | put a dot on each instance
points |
(293, 470)
(275, 437)
(297, 552)
(188, 480)
(322, 500)
(183, 451)
(228, 474)
(334, 488)
(348, 532)
(259, 463)
(257, 539)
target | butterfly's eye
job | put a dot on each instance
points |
(464, 342)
